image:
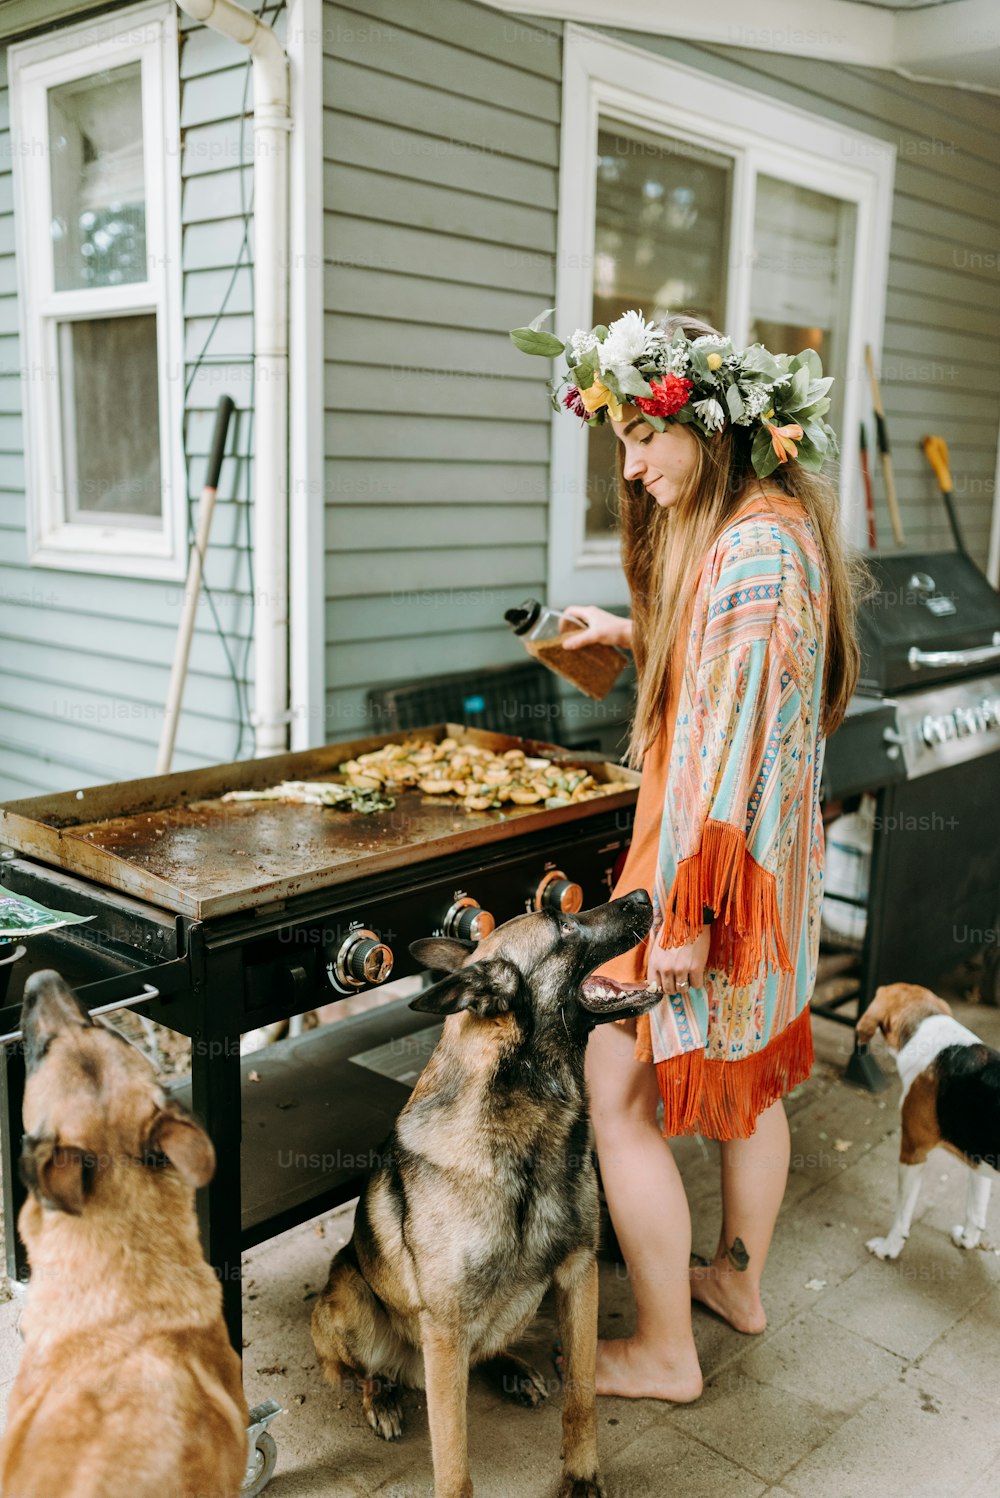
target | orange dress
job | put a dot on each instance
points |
(728, 817)
(642, 860)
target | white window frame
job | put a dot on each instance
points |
(612, 80)
(146, 34)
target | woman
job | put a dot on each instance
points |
(742, 629)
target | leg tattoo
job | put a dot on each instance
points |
(737, 1255)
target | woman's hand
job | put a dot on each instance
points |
(602, 628)
(676, 969)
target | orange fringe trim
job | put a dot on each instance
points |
(723, 1099)
(747, 928)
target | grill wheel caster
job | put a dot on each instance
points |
(264, 1459)
(263, 1453)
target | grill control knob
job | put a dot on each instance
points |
(467, 920)
(361, 961)
(556, 892)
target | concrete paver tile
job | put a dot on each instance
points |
(917, 1438)
(822, 1362)
(962, 1354)
(663, 1462)
(762, 1428)
(906, 1304)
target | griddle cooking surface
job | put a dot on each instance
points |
(201, 856)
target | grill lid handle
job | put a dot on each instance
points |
(976, 656)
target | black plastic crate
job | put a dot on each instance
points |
(517, 699)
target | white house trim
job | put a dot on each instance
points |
(946, 41)
(146, 34)
(307, 655)
(621, 81)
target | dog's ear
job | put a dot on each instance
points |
(873, 1015)
(56, 1174)
(489, 988)
(441, 954)
(185, 1144)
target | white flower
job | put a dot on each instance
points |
(630, 340)
(711, 413)
(713, 343)
(756, 399)
(678, 359)
(582, 342)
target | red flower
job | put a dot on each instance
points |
(669, 394)
(571, 400)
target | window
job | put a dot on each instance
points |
(694, 195)
(95, 128)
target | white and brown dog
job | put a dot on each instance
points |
(951, 1097)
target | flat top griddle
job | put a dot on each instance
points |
(172, 841)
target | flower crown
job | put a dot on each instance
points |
(703, 382)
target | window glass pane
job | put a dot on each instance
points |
(110, 418)
(803, 261)
(98, 196)
(660, 246)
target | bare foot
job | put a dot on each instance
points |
(628, 1369)
(726, 1292)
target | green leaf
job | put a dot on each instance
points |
(600, 332)
(530, 341)
(798, 393)
(756, 360)
(810, 360)
(762, 454)
(807, 413)
(630, 382)
(536, 322)
(585, 372)
(735, 402)
(813, 433)
(819, 387)
(656, 422)
(810, 457)
(699, 368)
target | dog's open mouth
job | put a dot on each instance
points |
(605, 995)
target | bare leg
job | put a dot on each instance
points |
(651, 1217)
(754, 1175)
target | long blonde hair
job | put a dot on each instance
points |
(662, 552)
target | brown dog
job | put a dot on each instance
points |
(951, 1097)
(128, 1386)
(486, 1192)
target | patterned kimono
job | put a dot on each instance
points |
(735, 789)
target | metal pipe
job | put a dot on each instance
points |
(271, 126)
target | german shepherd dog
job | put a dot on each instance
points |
(486, 1191)
(128, 1386)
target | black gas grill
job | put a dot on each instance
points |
(217, 917)
(923, 734)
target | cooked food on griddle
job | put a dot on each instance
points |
(480, 779)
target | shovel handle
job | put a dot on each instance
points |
(936, 453)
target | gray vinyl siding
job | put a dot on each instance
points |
(441, 149)
(940, 367)
(85, 658)
(441, 154)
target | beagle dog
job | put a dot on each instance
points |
(951, 1097)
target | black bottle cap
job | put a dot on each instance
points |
(521, 619)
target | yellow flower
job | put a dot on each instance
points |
(598, 395)
(714, 361)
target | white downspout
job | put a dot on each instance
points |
(271, 126)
